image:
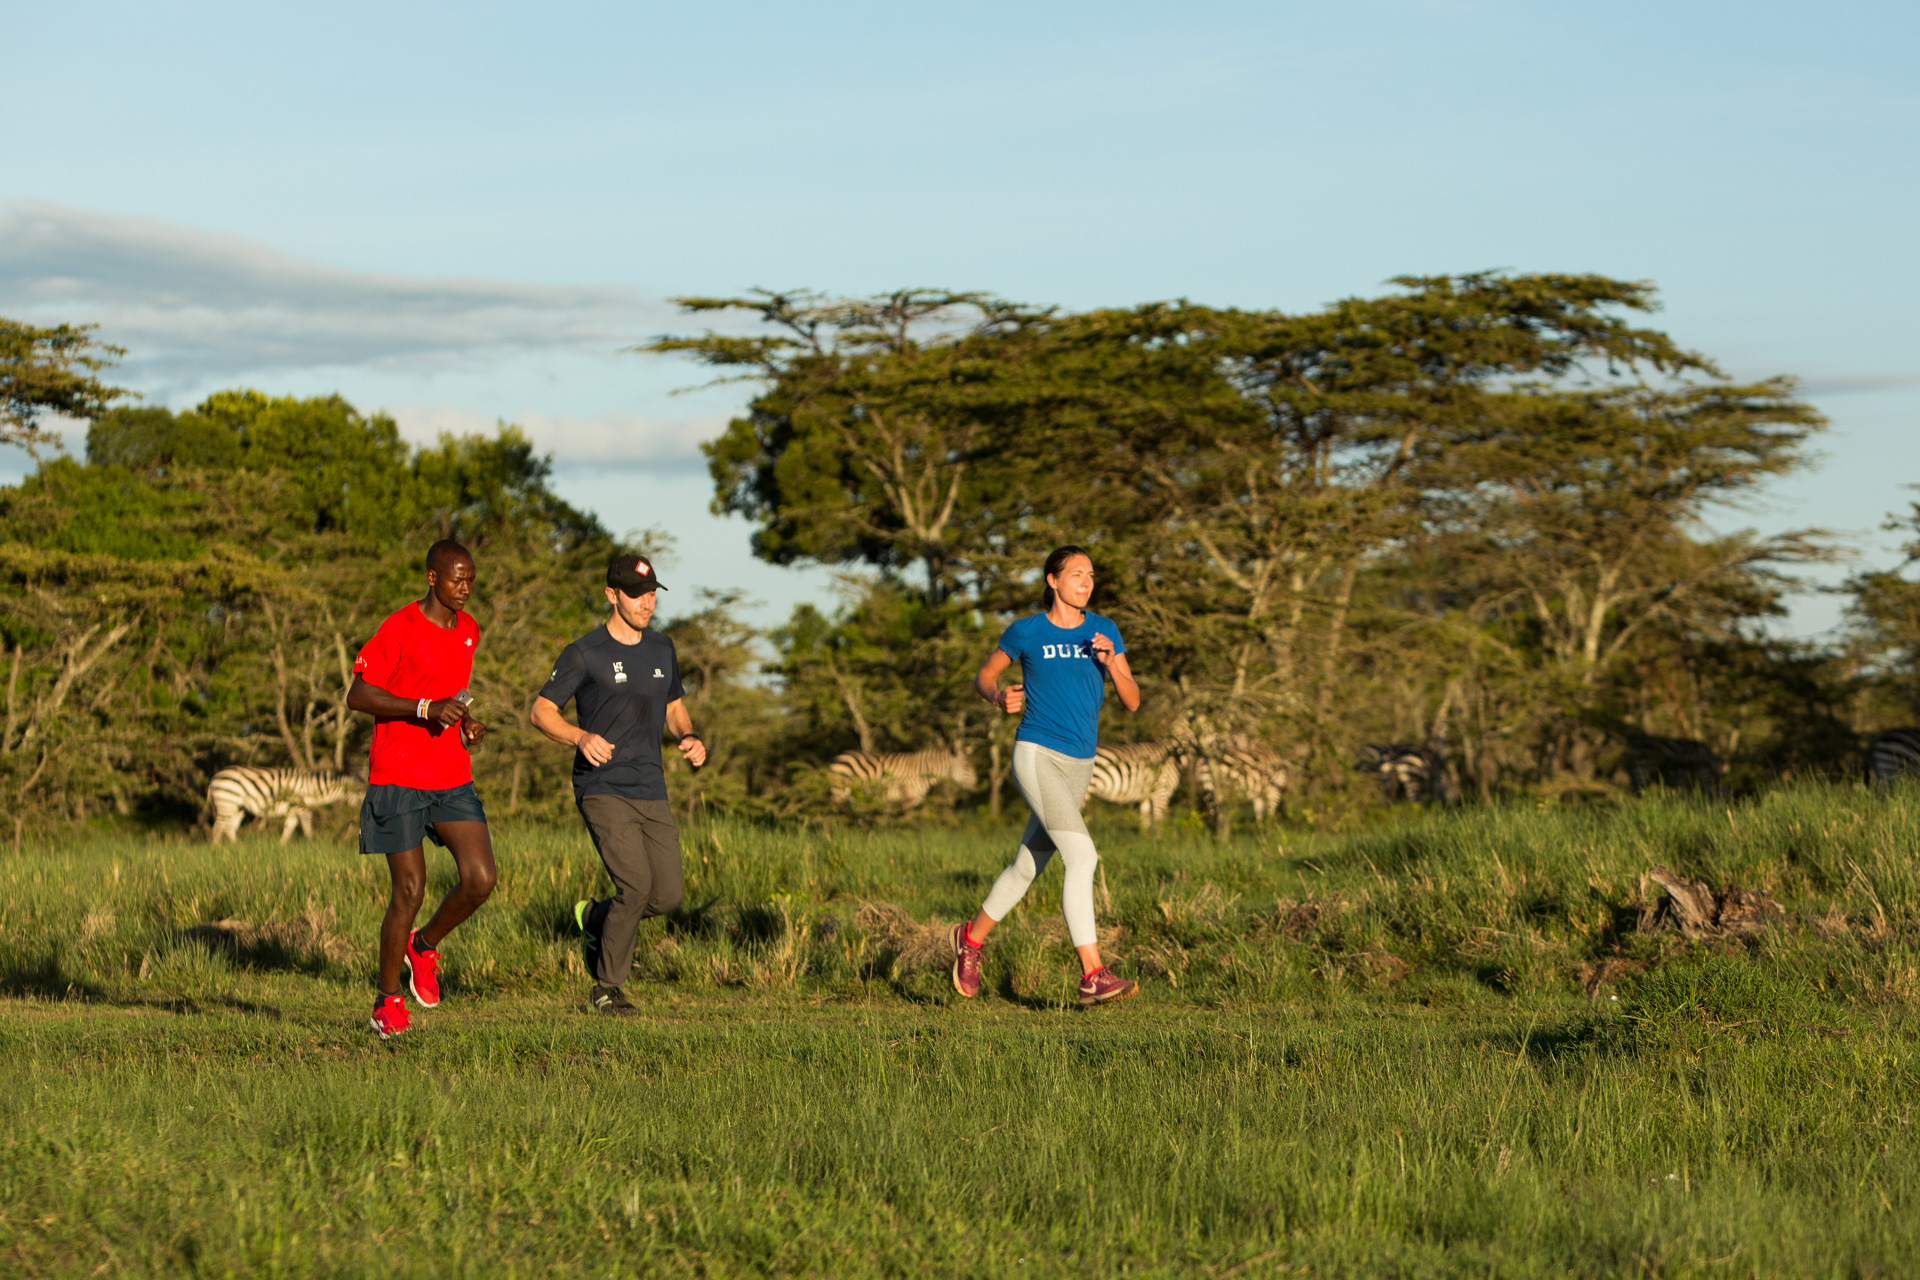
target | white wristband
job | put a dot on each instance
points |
(426, 704)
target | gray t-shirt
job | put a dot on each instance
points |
(623, 691)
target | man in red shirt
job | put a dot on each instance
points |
(412, 679)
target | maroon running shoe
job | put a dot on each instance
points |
(1101, 987)
(966, 963)
(423, 972)
(389, 1016)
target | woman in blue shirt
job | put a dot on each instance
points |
(1065, 655)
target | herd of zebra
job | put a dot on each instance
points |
(1146, 774)
(1141, 774)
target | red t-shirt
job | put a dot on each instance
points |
(412, 658)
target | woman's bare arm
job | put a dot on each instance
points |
(987, 684)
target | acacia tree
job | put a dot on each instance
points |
(1297, 450)
(1476, 496)
(51, 370)
(1592, 505)
(1884, 617)
(877, 436)
(1567, 533)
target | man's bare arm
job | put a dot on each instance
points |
(375, 701)
(680, 725)
(547, 719)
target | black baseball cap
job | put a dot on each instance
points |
(632, 575)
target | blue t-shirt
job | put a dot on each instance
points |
(1064, 685)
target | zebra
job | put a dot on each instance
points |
(1249, 767)
(242, 791)
(1408, 772)
(902, 779)
(1892, 753)
(1142, 773)
(1680, 763)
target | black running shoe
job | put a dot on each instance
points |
(611, 1001)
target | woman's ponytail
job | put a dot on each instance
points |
(1055, 563)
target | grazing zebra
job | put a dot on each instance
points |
(1251, 768)
(1680, 763)
(1142, 773)
(242, 791)
(1408, 772)
(1892, 753)
(899, 779)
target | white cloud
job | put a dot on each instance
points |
(1847, 384)
(192, 305)
(615, 438)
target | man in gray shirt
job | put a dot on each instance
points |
(626, 681)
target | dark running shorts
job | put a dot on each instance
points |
(396, 819)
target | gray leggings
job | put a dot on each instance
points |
(1054, 785)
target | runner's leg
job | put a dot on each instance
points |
(659, 847)
(1054, 786)
(409, 873)
(663, 854)
(472, 850)
(619, 833)
(1035, 851)
(1059, 785)
(1037, 848)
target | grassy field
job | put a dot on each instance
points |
(1439, 1047)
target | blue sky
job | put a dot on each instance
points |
(462, 213)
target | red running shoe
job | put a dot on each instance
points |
(389, 1016)
(423, 972)
(966, 963)
(1101, 987)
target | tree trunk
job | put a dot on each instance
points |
(76, 665)
(281, 690)
(851, 698)
(13, 684)
(1336, 629)
(340, 707)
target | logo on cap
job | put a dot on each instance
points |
(640, 566)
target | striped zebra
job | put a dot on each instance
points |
(1680, 763)
(1250, 768)
(1408, 772)
(1892, 753)
(1140, 773)
(902, 779)
(242, 791)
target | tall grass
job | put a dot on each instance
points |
(1511, 900)
(1372, 1055)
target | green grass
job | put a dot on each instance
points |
(1369, 1055)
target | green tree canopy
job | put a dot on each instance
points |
(51, 370)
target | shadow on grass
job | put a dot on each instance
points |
(43, 977)
(1007, 991)
(187, 1006)
(550, 918)
(695, 922)
(1576, 1038)
(759, 924)
(264, 949)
